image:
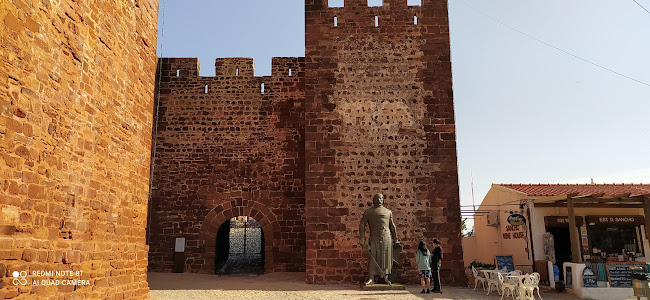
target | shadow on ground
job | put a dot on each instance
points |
(278, 281)
(165, 286)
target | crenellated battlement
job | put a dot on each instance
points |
(243, 67)
(287, 66)
(385, 16)
(234, 66)
(234, 76)
(179, 67)
(356, 4)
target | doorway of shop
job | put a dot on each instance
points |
(240, 247)
(562, 241)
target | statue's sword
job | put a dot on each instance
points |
(383, 275)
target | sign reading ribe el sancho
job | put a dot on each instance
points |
(615, 220)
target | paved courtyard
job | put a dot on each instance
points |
(280, 286)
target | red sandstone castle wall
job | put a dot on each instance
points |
(379, 118)
(232, 151)
(76, 96)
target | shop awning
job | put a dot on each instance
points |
(599, 200)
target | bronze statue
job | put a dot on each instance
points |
(382, 238)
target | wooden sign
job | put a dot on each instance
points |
(619, 275)
(588, 278)
(504, 260)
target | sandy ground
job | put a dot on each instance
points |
(280, 286)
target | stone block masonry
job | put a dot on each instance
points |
(368, 109)
(379, 118)
(227, 146)
(76, 102)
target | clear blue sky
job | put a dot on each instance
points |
(525, 112)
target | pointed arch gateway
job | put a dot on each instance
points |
(235, 208)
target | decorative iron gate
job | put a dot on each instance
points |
(245, 248)
(245, 236)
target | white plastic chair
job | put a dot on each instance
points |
(530, 284)
(478, 278)
(506, 286)
(535, 283)
(492, 280)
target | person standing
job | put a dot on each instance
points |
(423, 258)
(435, 270)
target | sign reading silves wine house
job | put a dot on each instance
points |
(516, 219)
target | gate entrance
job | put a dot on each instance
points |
(562, 242)
(240, 247)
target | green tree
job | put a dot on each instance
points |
(465, 231)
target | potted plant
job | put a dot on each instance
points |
(478, 265)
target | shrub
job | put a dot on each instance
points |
(480, 264)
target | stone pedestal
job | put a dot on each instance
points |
(394, 276)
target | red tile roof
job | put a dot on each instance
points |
(581, 189)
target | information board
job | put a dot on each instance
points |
(505, 260)
(568, 277)
(179, 246)
(588, 278)
(619, 275)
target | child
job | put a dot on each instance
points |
(423, 258)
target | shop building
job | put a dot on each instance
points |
(595, 225)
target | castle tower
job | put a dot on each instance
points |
(76, 96)
(379, 118)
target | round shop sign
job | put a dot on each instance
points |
(516, 219)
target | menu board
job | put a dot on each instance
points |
(619, 275)
(568, 277)
(505, 260)
(588, 278)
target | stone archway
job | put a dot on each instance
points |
(229, 209)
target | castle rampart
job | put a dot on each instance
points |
(226, 143)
